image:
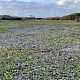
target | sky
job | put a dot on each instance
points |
(39, 8)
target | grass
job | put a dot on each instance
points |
(11, 24)
(44, 53)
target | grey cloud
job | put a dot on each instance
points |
(20, 8)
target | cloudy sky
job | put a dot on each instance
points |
(39, 8)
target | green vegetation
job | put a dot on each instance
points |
(71, 16)
(39, 50)
(77, 19)
(12, 24)
(74, 16)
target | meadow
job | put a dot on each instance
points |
(39, 50)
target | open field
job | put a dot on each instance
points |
(39, 50)
(11, 24)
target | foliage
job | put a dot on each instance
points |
(67, 17)
(77, 19)
(71, 16)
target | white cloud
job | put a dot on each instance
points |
(20, 6)
(61, 2)
(76, 1)
(67, 2)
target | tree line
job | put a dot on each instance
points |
(7, 17)
(74, 16)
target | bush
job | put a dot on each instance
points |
(77, 19)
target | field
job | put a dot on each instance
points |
(39, 50)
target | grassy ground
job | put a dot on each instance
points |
(5, 24)
(39, 50)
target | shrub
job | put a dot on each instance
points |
(77, 19)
